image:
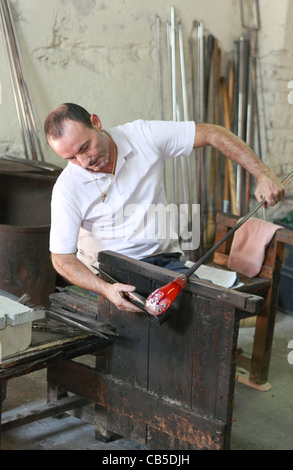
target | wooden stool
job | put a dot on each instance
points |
(266, 284)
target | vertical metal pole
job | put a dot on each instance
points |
(240, 131)
(174, 90)
(159, 52)
(184, 159)
(11, 38)
(201, 95)
(20, 83)
(13, 78)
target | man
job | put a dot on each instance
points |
(102, 198)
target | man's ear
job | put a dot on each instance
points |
(96, 122)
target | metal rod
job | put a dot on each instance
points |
(173, 91)
(241, 121)
(183, 74)
(11, 38)
(26, 95)
(194, 177)
(22, 87)
(58, 317)
(40, 165)
(200, 151)
(184, 160)
(159, 53)
(13, 78)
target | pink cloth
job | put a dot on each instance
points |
(249, 244)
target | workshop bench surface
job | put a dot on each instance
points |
(51, 342)
(168, 386)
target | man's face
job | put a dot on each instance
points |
(83, 146)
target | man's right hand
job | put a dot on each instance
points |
(71, 268)
(117, 294)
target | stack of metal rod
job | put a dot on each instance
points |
(174, 102)
(22, 98)
(206, 178)
(245, 115)
(190, 180)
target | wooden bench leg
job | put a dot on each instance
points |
(102, 432)
(55, 393)
(256, 368)
(262, 347)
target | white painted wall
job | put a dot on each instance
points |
(102, 54)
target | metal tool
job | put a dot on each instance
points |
(242, 87)
(250, 20)
(159, 53)
(201, 150)
(137, 300)
(184, 160)
(33, 163)
(161, 299)
(228, 163)
(134, 297)
(98, 330)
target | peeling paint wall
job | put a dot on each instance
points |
(103, 55)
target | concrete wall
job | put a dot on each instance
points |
(102, 54)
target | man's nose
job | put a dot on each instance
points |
(83, 160)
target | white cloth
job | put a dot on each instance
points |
(127, 222)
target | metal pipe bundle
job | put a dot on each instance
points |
(178, 103)
(206, 178)
(22, 98)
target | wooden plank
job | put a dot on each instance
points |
(170, 355)
(145, 272)
(129, 356)
(214, 360)
(159, 412)
(127, 359)
(75, 303)
(285, 236)
(10, 421)
(36, 359)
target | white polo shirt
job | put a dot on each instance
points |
(131, 220)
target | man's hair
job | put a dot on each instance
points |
(53, 126)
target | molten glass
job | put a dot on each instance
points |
(160, 300)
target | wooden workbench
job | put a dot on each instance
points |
(167, 386)
(51, 342)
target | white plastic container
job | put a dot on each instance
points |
(15, 326)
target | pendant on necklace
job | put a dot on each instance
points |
(103, 197)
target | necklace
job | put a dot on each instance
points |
(104, 193)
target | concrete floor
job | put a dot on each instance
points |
(261, 421)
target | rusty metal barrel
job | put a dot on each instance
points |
(25, 264)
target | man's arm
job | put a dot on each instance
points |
(268, 185)
(76, 272)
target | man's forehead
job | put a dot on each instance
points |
(75, 135)
(70, 126)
